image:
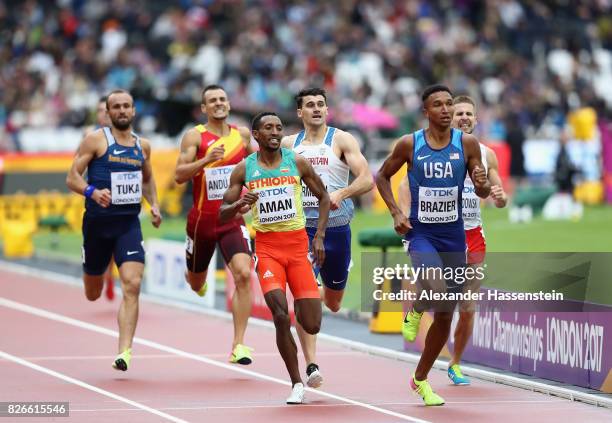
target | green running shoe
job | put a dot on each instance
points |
(122, 361)
(423, 389)
(241, 355)
(410, 327)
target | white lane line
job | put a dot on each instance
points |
(250, 406)
(173, 356)
(85, 385)
(155, 345)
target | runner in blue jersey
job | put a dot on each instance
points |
(118, 164)
(437, 158)
(334, 155)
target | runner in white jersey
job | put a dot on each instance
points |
(334, 154)
(464, 118)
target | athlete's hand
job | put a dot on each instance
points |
(156, 217)
(245, 202)
(479, 176)
(102, 197)
(498, 195)
(215, 154)
(318, 250)
(335, 199)
(401, 224)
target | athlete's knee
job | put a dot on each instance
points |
(93, 294)
(242, 278)
(195, 280)
(333, 305)
(281, 319)
(131, 285)
(311, 328)
(93, 287)
(444, 318)
(466, 320)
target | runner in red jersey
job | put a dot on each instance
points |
(208, 155)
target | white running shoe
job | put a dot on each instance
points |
(315, 378)
(297, 394)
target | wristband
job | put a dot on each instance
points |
(89, 190)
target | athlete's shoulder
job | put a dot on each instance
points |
(94, 138)
(344, 138)
(242, 130)
(289, 140)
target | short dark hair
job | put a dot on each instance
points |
(103, 99)
(256, 123)
(210, 88)
(118, 91)
(464, 99)
(434, 89)
(309, 91)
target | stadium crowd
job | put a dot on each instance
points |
(528, 63)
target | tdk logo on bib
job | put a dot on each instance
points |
(272, 192)
(217, 171)
(439, 192)
(127, 176)
(468, 189)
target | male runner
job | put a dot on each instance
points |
(208, 155)
(437, 159)
(274, 178)
(464, 118)
(334, 154)
(118, 164)
(101, 121)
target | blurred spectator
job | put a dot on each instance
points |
(58, 57)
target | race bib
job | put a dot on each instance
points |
(217, 181)
(438, 205)
(308, 198)
(126, 187)
(276, 205)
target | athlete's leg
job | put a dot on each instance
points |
(93, 286)
(465, 325)
(131, 277)
(240, 266)
(476, 251)
(199, 248)
(130, 257)
(277, 303)
(434, 342)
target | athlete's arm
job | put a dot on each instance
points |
(149, 190)
(186, 166)
(245, 134)
(401, 153)
(232, 203)
(316, 186)
(91, 147)
(403, 196)
(359, 167)
(471, 149)
(497, 190)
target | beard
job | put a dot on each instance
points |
(122, 125)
